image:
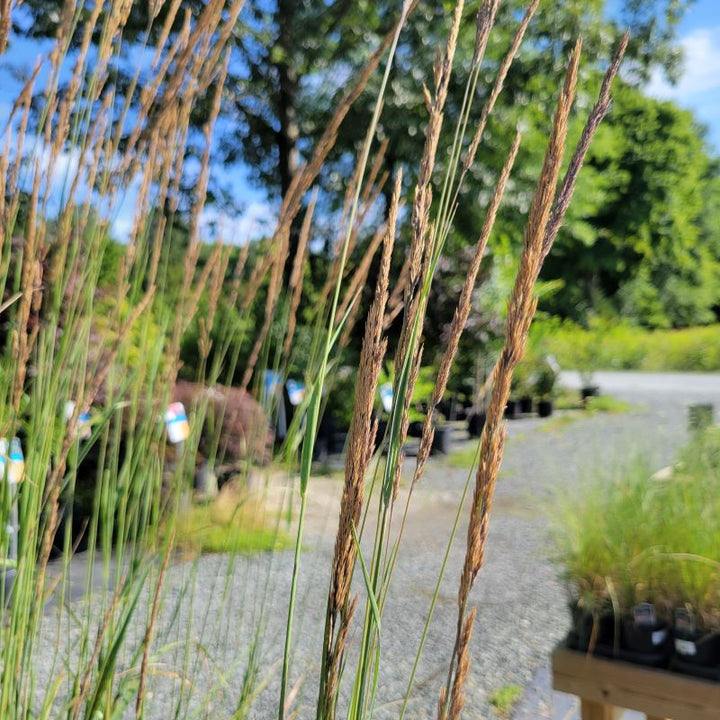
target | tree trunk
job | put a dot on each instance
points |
(289, 132)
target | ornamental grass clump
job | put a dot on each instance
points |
(634, 537)
(101, 330)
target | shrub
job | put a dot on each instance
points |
(621, 346)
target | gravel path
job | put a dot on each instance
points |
(521, 605)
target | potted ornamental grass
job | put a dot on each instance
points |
(545, 385)
(695, 575)
(641, 558)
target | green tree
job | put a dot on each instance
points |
(638, 241)
(290, 60)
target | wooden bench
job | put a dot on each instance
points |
(607, 687)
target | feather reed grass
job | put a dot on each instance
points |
(521, 309)
(116, 348)
(361, 443)
(539, 235)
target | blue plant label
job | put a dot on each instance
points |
(273, 382)
(12, 461)
(386, 396)
(296, 391)
(644, 615)
(178, 427)
(83, 421)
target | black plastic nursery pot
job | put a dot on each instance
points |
(589, 391)
(698, 654)
(593, 632)
(646, 644)
(442, 441)
(476, 422)
(526, 405)
(645, 640)
(545, 408)
(622, 638)
(324, 442)
(511, 409)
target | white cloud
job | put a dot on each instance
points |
(257, 221)
(701, 68)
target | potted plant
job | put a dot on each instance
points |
(603, 551)
(697, 643)
(641, 556)
(521, 387)
(588, 388)
(545, 380)
(589, 354)
(693, 571)
(442, 440)
(476, 422)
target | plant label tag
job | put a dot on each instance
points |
(644, 615)
(296, 392)
(178, 427)
(12, 462)
(272, 382)
(386, 396)
(659, 637)
(684, 621)
(3, 457)
(83, 421)
(685, 647)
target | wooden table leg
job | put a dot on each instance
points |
(595, 711)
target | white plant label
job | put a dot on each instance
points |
(296, 392)
(685, 647)
(386, 396)
(659, 636)
(178, 427)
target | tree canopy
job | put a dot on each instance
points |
(641, 239)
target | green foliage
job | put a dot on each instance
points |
(545, 380)
(340, 399)
(641, 237)
(621, 346)
(505, 698)
(629, 537)
(607, 404)
(522, 383)
(142, 334)
(226, 527)
(639, 243)
(465, 458)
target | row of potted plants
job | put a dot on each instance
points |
(533, 378)
(641, 555)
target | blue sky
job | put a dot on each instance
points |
(698, 89)
(699, 85)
